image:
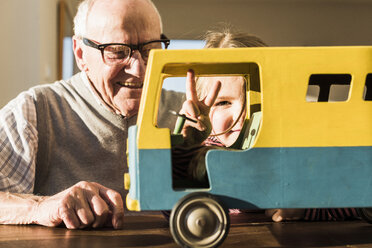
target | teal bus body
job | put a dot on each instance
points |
(151, 176)
(301, 177)
(260, 178)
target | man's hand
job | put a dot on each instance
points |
(195, 133)
(83, 205)
(279, 215)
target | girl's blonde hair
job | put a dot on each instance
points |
(226, 38)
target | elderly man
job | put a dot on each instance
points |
(53, 136)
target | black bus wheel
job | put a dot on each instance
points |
(199, 220)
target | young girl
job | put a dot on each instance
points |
(229, 101)
(218, 104)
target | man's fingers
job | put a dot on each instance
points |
(69, 217)
(76, 209)
(85, 216)
(212, 94)
(82, 205)
(97, 203)
(100, 210)
(191, 86)
(117, 209)
(114, 200)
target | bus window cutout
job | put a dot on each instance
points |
(367, 94)
(328, 88)
(171, 102)
(312, 94)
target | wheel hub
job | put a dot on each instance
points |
(201, 222)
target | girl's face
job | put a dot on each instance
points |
(227, 108)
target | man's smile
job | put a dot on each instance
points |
(130, 84)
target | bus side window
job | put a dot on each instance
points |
(367, 94)
(312, 93)
(171, 99)
(328, 88)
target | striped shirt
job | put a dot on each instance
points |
(19, 142)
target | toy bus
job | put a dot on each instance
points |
(296, 151)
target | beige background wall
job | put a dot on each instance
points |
(278, 22)
(29, 44)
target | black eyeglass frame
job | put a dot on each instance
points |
(132, 48)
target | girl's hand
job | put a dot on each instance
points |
(196, 133)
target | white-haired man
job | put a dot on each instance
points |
(54, 136)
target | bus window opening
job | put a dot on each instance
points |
(328, 88)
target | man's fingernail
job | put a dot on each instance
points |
(119, 224)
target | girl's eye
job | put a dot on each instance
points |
(222, 103)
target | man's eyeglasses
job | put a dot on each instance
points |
(119, 53)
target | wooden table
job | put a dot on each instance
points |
(152, 231)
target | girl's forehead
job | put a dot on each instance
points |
(231, 87)
(226, 79)
(229, 84)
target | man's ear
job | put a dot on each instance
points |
(78, 52)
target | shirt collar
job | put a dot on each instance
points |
(94, 92)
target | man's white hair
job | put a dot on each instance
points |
(81, 16)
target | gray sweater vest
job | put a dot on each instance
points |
(80, 139)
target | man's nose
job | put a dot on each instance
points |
(136, 65)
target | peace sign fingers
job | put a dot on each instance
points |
(194, 108)
(191, 86)
(191, 93)
(212, 94)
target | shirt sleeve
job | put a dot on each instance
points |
(18, 144)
